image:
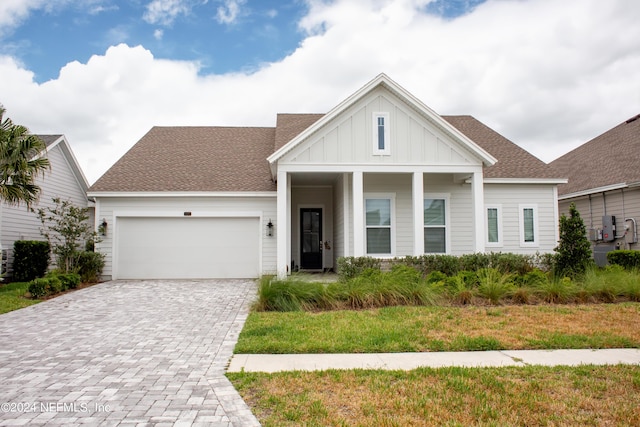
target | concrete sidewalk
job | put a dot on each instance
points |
(406, 361)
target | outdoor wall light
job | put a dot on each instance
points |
(103, 227)
(270, 228)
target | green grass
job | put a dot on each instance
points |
(12, 297)
(513, 396)
(434, 328)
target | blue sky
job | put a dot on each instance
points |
(103, 72)
(260, 32)
(221, 36)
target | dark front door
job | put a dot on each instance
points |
(311, 238)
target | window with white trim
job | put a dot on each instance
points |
(379, 223)
(435, 224)
(381, 133)
(494, 225)
(528, 215)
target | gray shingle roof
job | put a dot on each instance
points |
(194, 159)
(49, 139)
(234, 158)
(288, 126)
(513, 161)
(610, 158)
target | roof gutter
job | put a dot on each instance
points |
(602, 189)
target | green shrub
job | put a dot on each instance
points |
(30, 259)
(350, 267)
(474, 262)
(573, 253)
(49, 285)
(624, 258)
(436, 276)
(447, 264)
(39, 288)
(69, 280)
(545, 261)
(55, 285)
(89, 266)
(513, 263)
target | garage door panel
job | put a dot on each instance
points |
(187, 248)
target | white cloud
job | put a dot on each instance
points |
(272, 13)
(164, 12)
(14, 12)
(230, 11)
(549, 75)
(158, 34)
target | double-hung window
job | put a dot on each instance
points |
(435, 223)
(381, 143)
(379, 211)
(528, 215)
(494, 225)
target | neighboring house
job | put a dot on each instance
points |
(65, 180)
(604, 184)
(379, 175)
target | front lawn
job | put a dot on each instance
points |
(12, 297)
(513, 396)
(409, 329)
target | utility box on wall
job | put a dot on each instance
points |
(608, 228)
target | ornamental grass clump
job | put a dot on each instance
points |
(494, 285)
(630, 285)
(290, 295)
(460, 290)
(557, 290)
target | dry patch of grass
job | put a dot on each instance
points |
(527, 327)
(586, 395)
(399, 329)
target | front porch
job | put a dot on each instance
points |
(322, 216)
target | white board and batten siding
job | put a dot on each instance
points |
(18, 223)
(348, 139)
(222, 237)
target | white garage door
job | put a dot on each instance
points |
(187, 248)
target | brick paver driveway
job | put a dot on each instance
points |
(126, 353)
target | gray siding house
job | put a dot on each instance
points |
(65, 179)
(604, 184)
(379, 175)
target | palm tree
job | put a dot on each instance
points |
(21, 161)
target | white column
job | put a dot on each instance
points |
(418, 214)
(477, 196)
(282, 226)
(346, 199)
(358, 214)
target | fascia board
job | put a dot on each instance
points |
(168, 194)
(555, 181)
(595, 190)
